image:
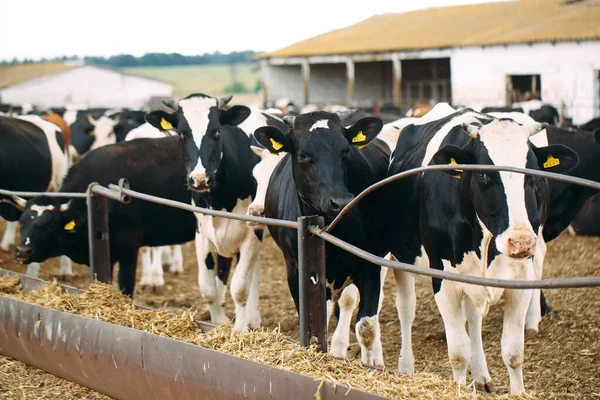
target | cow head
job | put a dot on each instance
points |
(200, 119)
(104, 130)
(262, 174)
(46, 225)
(510, 206)
(321, 150)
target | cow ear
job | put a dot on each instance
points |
(556, 158)
(363, 131)
(161, 120)
(234, 115)
(449, 155)
(273, 139)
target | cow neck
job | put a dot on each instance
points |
(234, 175)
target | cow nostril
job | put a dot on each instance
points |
(337, 204)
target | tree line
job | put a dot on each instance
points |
(150, 59)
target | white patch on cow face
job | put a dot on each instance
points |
(436, 141)
(41, 209)
(104, 132)
(262, 173)
(322, 123)
(506, 143)
(196, 111)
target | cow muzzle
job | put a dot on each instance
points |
(23, 254)
(255, 210)
(203, 184)
(521, 245)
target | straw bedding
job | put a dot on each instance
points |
(268, 346)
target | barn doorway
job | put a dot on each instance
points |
(426, 81)
(523, 88)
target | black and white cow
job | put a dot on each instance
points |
(474, 223)
(323, 170)
(51, 227)
(33, 158)
(219, 168)
(539, 111)
(591, 125)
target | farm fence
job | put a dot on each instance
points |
(312, 235)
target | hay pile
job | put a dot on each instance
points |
(270, 347)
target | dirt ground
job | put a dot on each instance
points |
(563, 361)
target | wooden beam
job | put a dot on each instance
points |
(349, 82)
(305, 72)
(396, 80)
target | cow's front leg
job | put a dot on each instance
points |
(513, 336)
(252, 309)
(177, 260)
(534, 311)
(10, 235)
(479, 369)
(206, 280)
(223, 267)
(341, 336)
(459, 347)
(242, 279)
(367, 327)
(66, 266)
(405, 305)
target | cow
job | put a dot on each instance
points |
(418, 110)
(487, 110)
(591, 125)
(539, 111)
(56, 226)
(219, 169)
(323, 170)
(473, 223)
(587, 220)
(34, 158)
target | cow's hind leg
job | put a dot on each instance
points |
(479, 369)
(10, 235)
(177, 260)
(367, 327)
(513, 336)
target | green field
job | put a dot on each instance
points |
(210, 79)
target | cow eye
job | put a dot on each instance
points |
(217, 133)
(303, 157)
(482, 176)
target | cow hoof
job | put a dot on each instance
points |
(484, 387)
(531, 333)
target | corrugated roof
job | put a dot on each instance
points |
(524, 21)
(13, 74)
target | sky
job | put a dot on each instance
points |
(42, 28)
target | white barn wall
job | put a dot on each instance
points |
(283, 81)
(89, 85)
(372, 81)
(568, 74)
(327, 84)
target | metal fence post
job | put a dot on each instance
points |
(312, 281)
(98, 237)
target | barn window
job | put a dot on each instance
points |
(426, 81)
(524, 88)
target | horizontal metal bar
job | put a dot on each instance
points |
(206, 211)
(582, 282)
(466, 167)
(113, 194)
(47, 194)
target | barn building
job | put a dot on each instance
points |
(474, 55)
(87, 85)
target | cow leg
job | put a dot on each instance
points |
(513, 336)
(341, 336)
(127, 269)
(367, 327)
(242, 279)
(207, 280)
(405, 304)
(252, 309)
(152, 272)
(66, 266)
(479, 369)
(534, 312)
(177, 264)
(223, 268)
(166, 256)
(33, 270)
(459, 346)
(10, 235)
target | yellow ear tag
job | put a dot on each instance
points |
(359, 137)
(453, 161)
(165, 124)
(70, 226)
(276, 144)
(364, 145)
(551, 162)
(92, 133)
